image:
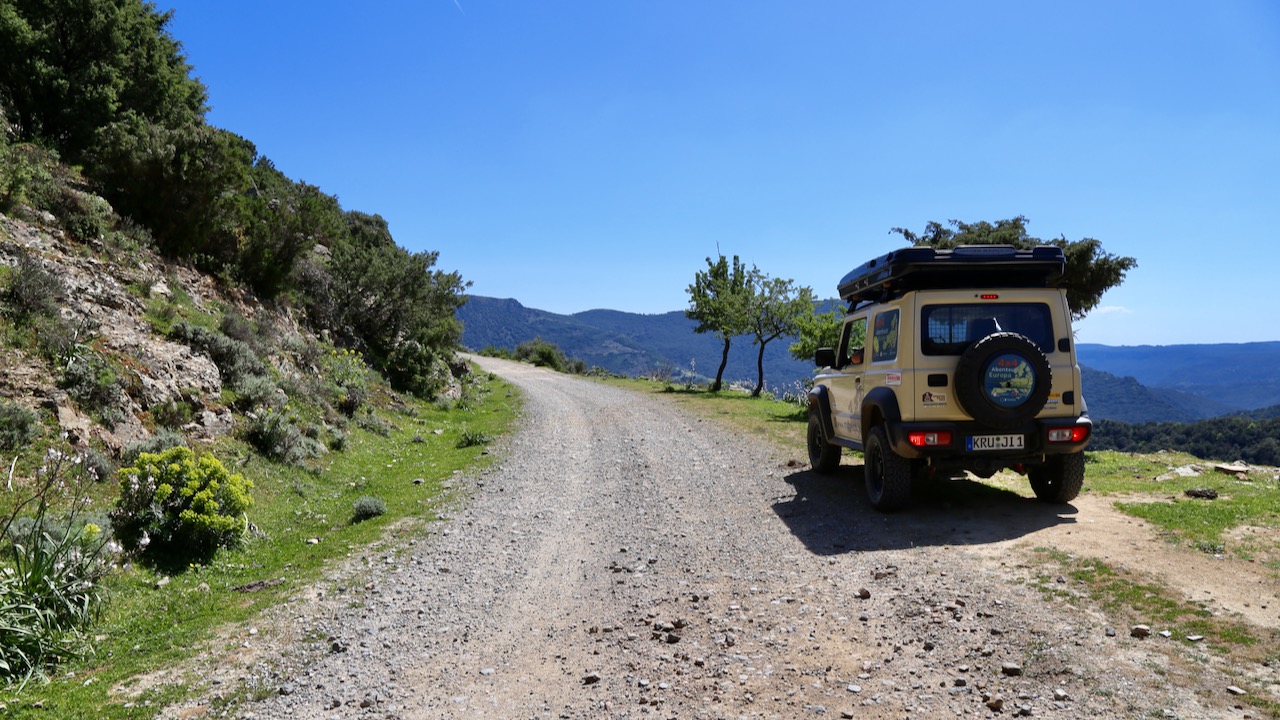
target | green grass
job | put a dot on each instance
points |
(1202, 524)
(780, 422)
(145, 628)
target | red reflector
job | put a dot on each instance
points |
(929, 439)
(989, 296)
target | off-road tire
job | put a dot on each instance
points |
(823, 456)
(888, 475)
(972, 370)
(1059, 480)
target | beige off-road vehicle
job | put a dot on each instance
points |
(950, 361)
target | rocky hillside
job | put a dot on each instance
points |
(114, 301)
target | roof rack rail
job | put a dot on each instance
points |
(923, 267)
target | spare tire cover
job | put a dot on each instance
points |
(1003, 380)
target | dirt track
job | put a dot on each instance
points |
(625, 560)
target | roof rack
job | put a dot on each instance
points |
(924, 267)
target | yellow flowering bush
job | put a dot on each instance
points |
(176, 507)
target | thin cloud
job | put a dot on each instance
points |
(1111, 310)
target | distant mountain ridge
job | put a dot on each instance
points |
(1166, 383)
(627, 343)
(1240, 376)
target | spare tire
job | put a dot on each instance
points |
(1003, 380)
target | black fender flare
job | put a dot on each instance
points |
(880, 405)
(820, 402)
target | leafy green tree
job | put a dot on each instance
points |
(818, 330)
(1090, 270)
(776, 308)
(71, 67)
(182, 183)
(279, 221)
(388, 303)
(718, 300)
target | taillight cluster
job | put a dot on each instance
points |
(930, 439)
(1073, 434)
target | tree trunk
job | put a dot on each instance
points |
(724, 360)
(760, 370)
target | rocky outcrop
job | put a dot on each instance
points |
(104, 301)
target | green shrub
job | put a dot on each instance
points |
(366, 508)
(49, 591)
(57, 339)
(92, 382)
(176, 508)
(275, 435)
(156, 443)
(413, 368)
(337, 440)
(235, 359)
(347, 376)
(26, 174)
(541, 353)
(369, 420)
(83, 215)
(31, 291)
(18, 426)
(98, 467)
(172, 413)
(257, 391)
(238, 327)
(471, 438)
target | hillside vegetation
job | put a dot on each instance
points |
(1254, 441)
(215, 377)
(103, 133)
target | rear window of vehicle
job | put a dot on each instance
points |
(949, 329)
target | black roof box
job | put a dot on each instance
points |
(922, 266)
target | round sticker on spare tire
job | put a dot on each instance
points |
(1008, 380)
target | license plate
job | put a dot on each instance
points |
(995, 442)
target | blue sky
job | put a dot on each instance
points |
(580, 154)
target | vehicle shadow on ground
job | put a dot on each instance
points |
(831, 515)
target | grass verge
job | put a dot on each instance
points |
(783, 423)
(1129, 599)
(305, 519)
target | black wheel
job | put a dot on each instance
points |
(888, 474)
(823, 456)
(1059, 480)
(1003, 380)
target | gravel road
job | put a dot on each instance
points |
(622, 559)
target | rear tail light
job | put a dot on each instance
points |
(1074, 434)
(929, 439)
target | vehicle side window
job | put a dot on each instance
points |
(884, 345)
(852, 342)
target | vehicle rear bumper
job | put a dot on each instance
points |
(1035, 435)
